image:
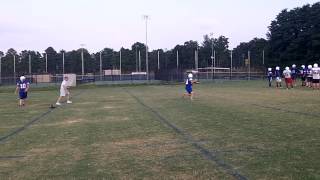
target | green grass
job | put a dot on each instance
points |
(107, 133)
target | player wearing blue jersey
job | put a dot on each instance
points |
(278, 75)
(303, 73)
(270, 74)
(22, 87)
(294, 73)
(189, 82)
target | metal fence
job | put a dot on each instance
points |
(160, 76)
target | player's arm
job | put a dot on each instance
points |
(195, 82)
(17, 89)
(27, 88)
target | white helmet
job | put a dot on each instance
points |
(278, 68)
(190, 76)
(309, 67)
(315, 65)
(293, 65)
(22, 78)
(287, 68)
(303, 66)
(269, 69)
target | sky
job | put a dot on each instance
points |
(65, 24)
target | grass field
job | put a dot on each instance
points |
(232, 130)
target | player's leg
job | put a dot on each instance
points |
(68, 99)
(59, 100)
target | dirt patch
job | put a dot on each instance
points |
(108, 107)
(63, 123)
(141, 148)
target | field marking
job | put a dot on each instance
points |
(209, 155)
(287, 111)
(10, 157)
(271, 107)
(31, 122)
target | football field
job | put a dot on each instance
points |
(231, 130)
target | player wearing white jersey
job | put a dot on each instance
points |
(287, 77)
(315, 76)
(64, 91)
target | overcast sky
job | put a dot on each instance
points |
(65, 24)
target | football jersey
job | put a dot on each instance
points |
(278, 74)
(316, 73)
(63, 85)
(309, 72)
(188, 83)
(23, 85)
(304, 72)
(294, 71)
(287, 73)
(270, 74)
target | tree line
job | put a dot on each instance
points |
(292, 38)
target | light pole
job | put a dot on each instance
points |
(231, 64)
(139, 61)
(263, 57)
(82, 60)
(146, 17)
(14, 67)
(120, 65)
(158, 61)
(0, 69)
(196, 58)
(249, 63)
(46, 62)
(62, 62)
(136, 46)
(30, 65)
(101, 65)
(213, 58)
(177, 61)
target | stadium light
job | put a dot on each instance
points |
(146, 17)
